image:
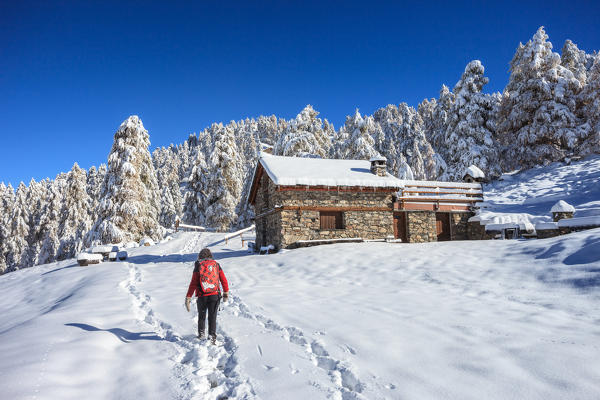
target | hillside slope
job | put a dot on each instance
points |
(495, 319)
(457, 320)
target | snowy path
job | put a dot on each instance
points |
(203, 371)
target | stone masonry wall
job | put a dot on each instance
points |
(459, 223)
(476, 231)
(305, 225)
(284, 227)
(421, 226)
(557, 216)
(268, 228)
(547, 233)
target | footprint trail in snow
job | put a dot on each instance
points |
(204, 371)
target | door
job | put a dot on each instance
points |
(400, 227)
(442, 226)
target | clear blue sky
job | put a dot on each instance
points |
(71, 72)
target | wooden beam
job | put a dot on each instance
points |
(306, 188)
(255, 183)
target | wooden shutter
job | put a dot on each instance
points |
(331, 220)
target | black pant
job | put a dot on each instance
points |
(210, 303)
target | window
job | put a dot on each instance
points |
(331, 220)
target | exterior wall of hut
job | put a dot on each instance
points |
(459, 223)
(283, 227)
(476, 231)
(421, 226)
(547, 233)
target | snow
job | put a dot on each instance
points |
(103, 249)
(474, 172)
(453, 320)
(468, 320)
(527, 196)
(147, 242)
(580, 222)
(377, 158)
(546, 225)
(562, 206)
(89, 257)
(291, 171)
(341, 240)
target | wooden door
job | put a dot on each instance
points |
(400, 227)
(442, 225)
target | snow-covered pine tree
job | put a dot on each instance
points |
(574, 60)
(426, 110)
(48, 244)
(19, 229)
(37, 201)
(404, 135)
(166, 164)
(75, 214)
(470, 136)
(95, 179)
(130, 197)
(224, 189)
(436, 131)
(589, 110)
(7, 195)
(536, 120)
(359, 144)
(304, 137)
(195, 196)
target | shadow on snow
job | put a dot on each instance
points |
(123, 335)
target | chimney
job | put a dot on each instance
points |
(378, 165)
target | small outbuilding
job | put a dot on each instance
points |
(473, 174)
(562, 210)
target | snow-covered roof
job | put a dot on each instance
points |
(474, 172)
(378, 158)
(593, 220)
(292, 171)
(562, 206)
(540, 226)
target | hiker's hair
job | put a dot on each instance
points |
(205, 254)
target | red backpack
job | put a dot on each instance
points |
(208, 272)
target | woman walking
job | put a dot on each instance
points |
(207, 279)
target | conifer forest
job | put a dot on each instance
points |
(549, 111)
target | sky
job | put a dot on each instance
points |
(72, 71)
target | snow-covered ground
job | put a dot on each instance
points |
(512, 319)
(458, 320)
(528, 196)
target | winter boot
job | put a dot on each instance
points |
(201, 335)
(213, 339)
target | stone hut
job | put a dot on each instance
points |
(473, 174)
(562, 210)
(299, 200)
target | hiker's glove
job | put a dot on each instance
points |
(187, 303)
(225, 296)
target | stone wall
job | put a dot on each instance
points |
(476, 231)
(305, 225)
(557, 216)
(458, 225)
(547, 233)
(421, 226)
(268, 227)
(284, 227)
(305, 198)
